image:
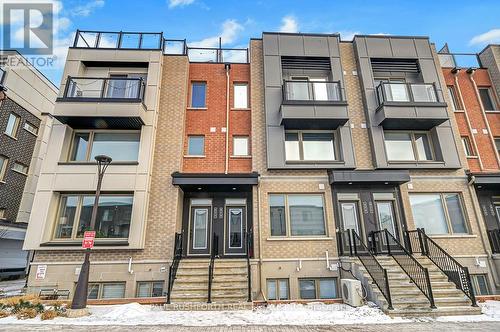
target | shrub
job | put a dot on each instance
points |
(26, 313)
(4, 313)
(49, 314)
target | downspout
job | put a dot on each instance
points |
(485, 118)
(228, 68)
(261, 281)
(469, 127)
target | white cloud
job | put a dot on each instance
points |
(289, 24)
(87, 9)
(179, 3)
(229, 33)
(489, 37)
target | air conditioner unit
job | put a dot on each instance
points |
(352, 292)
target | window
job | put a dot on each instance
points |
(408, 146)
(480, 284)
(309, 146)
(198, 94)
(120, 146)
(13, 125)
(440, 213)
(3, 167)
(277, 289)
(240, 95)
(196, 145)
(318, 288)
(31, 128)
(114, 214)
(487, 99)
(240, 146)
(21, 168)
(455, 105)
(149, 289)
(467, 146)
(2, 213)
(106, 290)
(297, 215)
(497, 144)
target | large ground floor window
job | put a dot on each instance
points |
(149, 288)
(101, 290)
(318, 288)
(278, 289)
(114, 214)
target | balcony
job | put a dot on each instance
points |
(409, 106)
(459, 60)
(314, 105)
(95, 102)
(217, 55)
(118, 40)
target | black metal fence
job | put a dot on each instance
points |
(172, 272)
(213, 254)
(249, 247)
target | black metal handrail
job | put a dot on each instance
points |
(2, 75)
(323, 91)
(385, 243)
(373, 267)
(494, 237)
(249, 247)
(455, 272)
(172, 272)
(408, 92)
(108, 88)
(118, 40)
(344, 242)
(213, 254)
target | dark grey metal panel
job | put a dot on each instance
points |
(385, 176)
(275, 147)
(272, 70)
(487, 179)
(95, 122)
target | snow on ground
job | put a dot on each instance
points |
(284, 314)
(11, 287)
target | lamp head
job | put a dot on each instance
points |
(102, 159)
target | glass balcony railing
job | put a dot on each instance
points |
(460, 60)
(118, 40)
(118, 89)
(217, 55)
(311, 91)
(406, 92)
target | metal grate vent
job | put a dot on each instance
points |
(315, 63)
(395, 65)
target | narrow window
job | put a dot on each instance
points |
(497, 144)
(277, 289)
(277, 209)
(480, 284)
(240, 95)
(2, 213)
(454, 101)
(196, 145)
(467, 146)
(13, 125)
(240, 146)
(31, 128)
(20, 168)
(198, 94)
(486, 99)
(3, 167)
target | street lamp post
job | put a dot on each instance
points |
(80, 297)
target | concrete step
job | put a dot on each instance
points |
(428, 312)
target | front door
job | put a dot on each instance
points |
(200, 225)
(235, 226)
(350, 216)
(385, 216)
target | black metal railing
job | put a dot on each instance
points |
(455, 272)
(2, 75)
(407, 92)
(344, 242)
(311, 91)
(372, 266)
(172, 272)
(494, 237)
(213, 254)
(249, 247)
(218, 55)
(118, 40)
(104, 88)
(385, 243)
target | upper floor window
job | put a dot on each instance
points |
(240, 146)
(13, 122)
(497, 144)
(309, 146)
(467, 146)
(114, 214)
(487, 99)
(408, 146)
(120, 146)
(198, 94)
(20, 168)
(297, 215)
(2, 213)
(455, 105)
(241, 95)
(126, 86)
(196, 145)
(304, 88)
(31, 128)
(438, 213)
(3, 167)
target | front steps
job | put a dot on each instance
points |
(408, 300)
(229, 285)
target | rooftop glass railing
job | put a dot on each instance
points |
(459, 60)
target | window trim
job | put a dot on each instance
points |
(27, 123)
(248, 154)
(490, 95)
(317, 289)
(101, 286)
(17, 171)
(467, 146)
(288, 229)
(242, 83)
(192, 83)
(276, 281)
(446, 212)
(151, 282)
(3, 169)
(412, 134)
(452, 93)
(475, 283)
(336, 149)
(188, 144)
(17, 125)
(92, 133)
(78, 211)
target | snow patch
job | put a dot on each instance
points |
(127, 311)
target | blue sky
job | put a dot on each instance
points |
(466, 25)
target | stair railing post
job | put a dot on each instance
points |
(429, 287)
(389, 299)
(386, 233)
(349, 236)
(421, 242)
(354, 242)
(469, 284)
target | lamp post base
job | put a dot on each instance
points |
(80, 296)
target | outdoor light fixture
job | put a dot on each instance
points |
(81, 291)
